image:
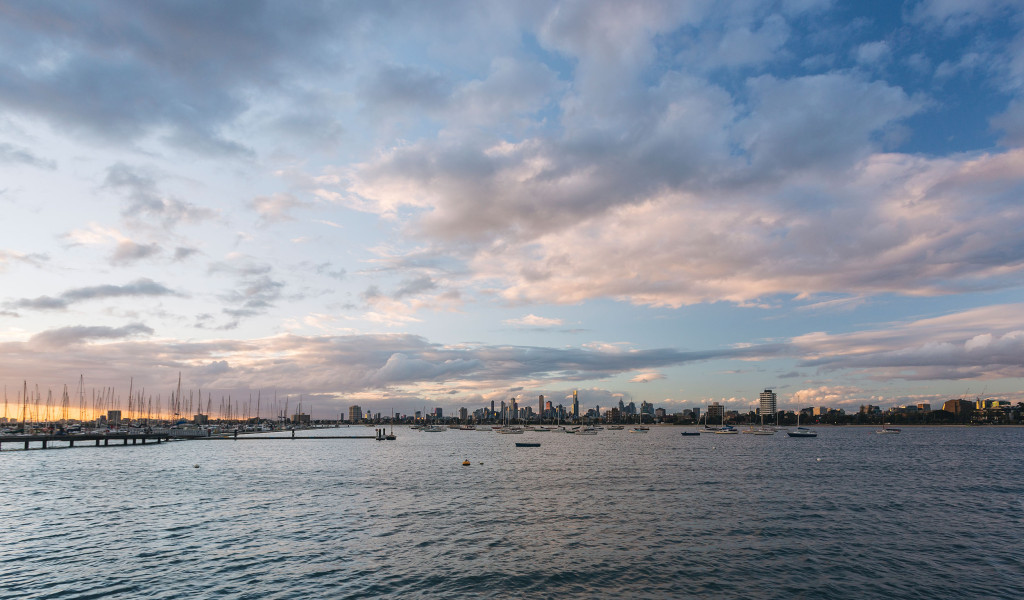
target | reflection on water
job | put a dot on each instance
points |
(845, 515)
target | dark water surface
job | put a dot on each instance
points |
(931, 513)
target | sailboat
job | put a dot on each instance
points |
(801, 432)
(640, 428)
(695, 431)
(724, 428)
(391, 436)
(885, 429)
(763, 430)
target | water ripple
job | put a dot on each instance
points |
(849, 515)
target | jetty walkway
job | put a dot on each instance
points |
(42, 442)
(96, 438)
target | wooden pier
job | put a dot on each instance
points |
(282, 437)
(98, 439)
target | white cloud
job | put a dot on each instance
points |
(646, 377)
(870, 53)
(532, 320)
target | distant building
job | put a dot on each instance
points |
(540, 405)
(463, 414)
(924, 407)
(659, 412)
(768, 402)
(300, 418)
(114, 417)
(575, 405)
(438, 413)
(695, 411)
(819, 411)
(958, 407)
(715, 412)
(355, 413)
(201, 419)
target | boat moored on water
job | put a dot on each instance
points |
(801, 432)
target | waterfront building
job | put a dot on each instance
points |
(540, 406)
(768, 403)
(958, 407)
(575, 405)
(715, 412)
(463, 414)
(114, 417)
(300, 418)
(201, 419)
(924, 407)
(695, 413)
(355, 413)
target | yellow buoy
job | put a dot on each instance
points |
(465, 463)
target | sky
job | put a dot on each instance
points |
(409, 205)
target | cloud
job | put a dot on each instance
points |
(986, 342)
(35, 259)
(311, 363)
(894, 224)
(254, 291)
(64, 64)
(646, 377)
(67, 336)
(829, 396)
(11, 154)
(405, 87)
(139, 288)
(276, 208)
(183, 253)
(415, 287)
(139, 185)
(128, 252)
(532, 320)
(870, 53)
(330, 271)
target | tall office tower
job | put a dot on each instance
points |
(540, 406)
(575, 405)
(492, 407)
(355, 413)
(768, 403)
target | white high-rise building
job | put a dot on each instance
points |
(768, 401)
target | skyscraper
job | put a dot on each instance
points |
(768, 403)
(575, 405)
(540, 406)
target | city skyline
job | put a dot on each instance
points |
(447, 204)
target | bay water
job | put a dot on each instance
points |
(930, 513)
